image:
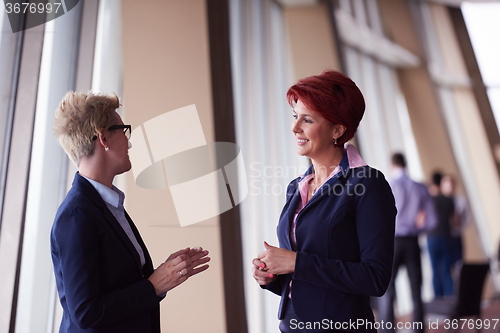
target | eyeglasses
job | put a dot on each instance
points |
(127, 130)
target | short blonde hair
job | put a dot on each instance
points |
(78, 119)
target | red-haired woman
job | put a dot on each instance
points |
(336, 230)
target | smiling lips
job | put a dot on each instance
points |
(301, 141)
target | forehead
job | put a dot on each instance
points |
(302, 110)
(117, 119)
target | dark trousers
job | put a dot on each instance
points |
(456, 250)
(440, 252)
(407, 253)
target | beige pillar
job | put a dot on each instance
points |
(311, 40)
(166, 67)
(428, 125)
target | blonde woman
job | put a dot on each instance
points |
(104, 273)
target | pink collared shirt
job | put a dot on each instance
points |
(354, 160)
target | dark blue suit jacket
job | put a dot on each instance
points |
(345, 245)
(101, 284)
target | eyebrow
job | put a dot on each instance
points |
(303, 114)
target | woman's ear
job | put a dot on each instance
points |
(102, 138)
(338, 131)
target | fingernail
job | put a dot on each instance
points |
(262, 265)
(271, 275)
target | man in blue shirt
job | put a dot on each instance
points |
(415, 215)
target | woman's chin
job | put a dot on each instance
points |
(301, 152)
(125, 168)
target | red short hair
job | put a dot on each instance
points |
(334, 96)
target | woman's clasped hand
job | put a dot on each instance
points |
(272, 262)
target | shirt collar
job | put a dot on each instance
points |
(112, 196)
(398, 173)
(353, 158)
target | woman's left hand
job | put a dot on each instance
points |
(278, 260)
(197, 256)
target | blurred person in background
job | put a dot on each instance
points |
(459, 220)
(415, 216)
(439, 241)
(435, 185)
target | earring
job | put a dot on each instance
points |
(106, 149)
(335, 142)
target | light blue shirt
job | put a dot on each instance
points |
(114, 199)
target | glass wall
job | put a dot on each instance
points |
(465, 122)
(371, 60)
(482, 20)
(261, 77)
(66, 57)
(47, 179)
(9, 58)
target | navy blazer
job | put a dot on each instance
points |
(345, 246)
(101, 285)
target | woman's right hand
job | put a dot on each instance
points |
(178, 267)
(171, 273)
(260, 273)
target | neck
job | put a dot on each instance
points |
(325, 165)
(398, 171)
(95, 169)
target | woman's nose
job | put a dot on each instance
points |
(296, 127)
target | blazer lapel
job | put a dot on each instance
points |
(110, 218)
(286, 220)
(148, 266)
(84, 186)
(290, 213)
